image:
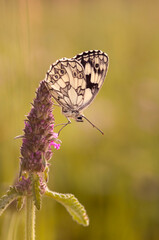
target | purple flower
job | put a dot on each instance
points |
(39, 133)
(23, 185)
(56, 145)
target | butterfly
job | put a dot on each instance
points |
(74, 82)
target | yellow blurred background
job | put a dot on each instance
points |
(115, 176)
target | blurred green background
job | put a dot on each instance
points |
(115, 176)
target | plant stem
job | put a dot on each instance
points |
(30, 219)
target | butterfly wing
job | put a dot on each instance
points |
(75, 82)
(95, 64)
(67, 83)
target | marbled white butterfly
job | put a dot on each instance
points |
(75, 82)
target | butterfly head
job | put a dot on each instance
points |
(79, 118)
(73, 114)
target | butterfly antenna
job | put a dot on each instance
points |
(93, 125)
(64, 125)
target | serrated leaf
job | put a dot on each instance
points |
(10, 196)
(73, 206)
(20, 203)
(36, 190)
(46, 174)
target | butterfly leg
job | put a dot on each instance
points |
(64, 125)
(57, 105)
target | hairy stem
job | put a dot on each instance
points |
(30, 219)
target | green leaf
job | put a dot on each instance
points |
(20, 203)
(35, 179)
(10, 196)
(46, 174)
(73, 206)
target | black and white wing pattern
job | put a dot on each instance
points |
(95, 64)
(75, 82)
(67, 83)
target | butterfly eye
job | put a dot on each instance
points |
(62, 71)
(80, 75)
(79, 119)
(97, 65)
(56, 76)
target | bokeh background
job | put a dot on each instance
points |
(115, 176)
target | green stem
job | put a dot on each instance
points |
(30, 219)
